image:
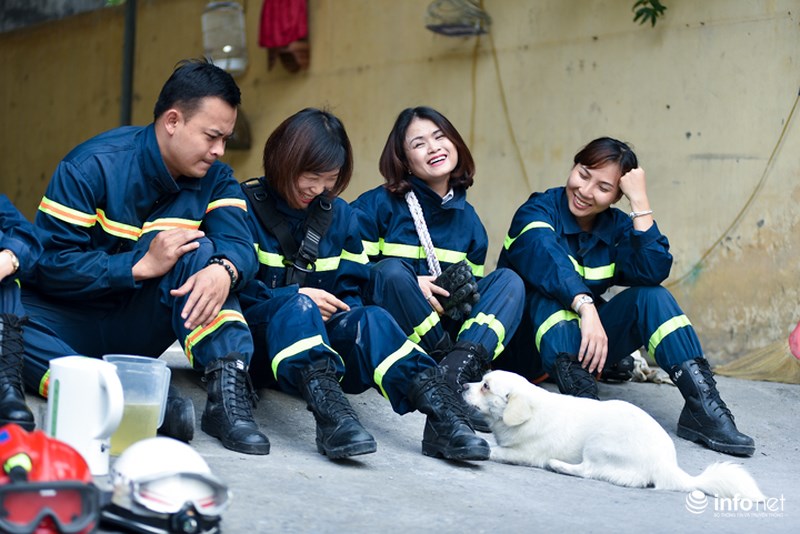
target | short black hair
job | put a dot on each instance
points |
(191, 81)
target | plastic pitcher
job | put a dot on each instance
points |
(84, 407)
(145, 383)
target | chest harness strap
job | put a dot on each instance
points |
(298, 260)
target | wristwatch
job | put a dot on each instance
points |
(14, 260)
(583, 299)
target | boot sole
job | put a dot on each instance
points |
(727, 448)
(477, 453)
(351, 449)
(258, 448)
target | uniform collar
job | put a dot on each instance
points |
(426, 195)
(603, 224)
(154, 167)
(280, 202)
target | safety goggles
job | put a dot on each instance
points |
(169, 494)
(71, 505)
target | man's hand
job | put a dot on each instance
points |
(207, 290)
(327, 303)
(165, 250)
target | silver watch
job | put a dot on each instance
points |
(583, 299)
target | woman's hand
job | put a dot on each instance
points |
(430, 290)
(594, 342)
(327, 303)
(634, 186)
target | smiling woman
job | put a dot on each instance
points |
(570, 246)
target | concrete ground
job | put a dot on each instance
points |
(397, 489)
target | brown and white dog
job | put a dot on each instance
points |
(609, 440)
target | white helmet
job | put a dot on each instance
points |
(162, 485)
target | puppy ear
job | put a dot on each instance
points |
(517, 411)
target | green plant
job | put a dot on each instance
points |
(648, 10)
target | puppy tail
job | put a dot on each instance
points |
(720, 479)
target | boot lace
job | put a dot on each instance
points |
(11, 349)
(710, 389)
(448, 399)
(326, 390)
(244, 397)
(575, 380)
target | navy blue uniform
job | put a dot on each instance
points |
(367, 346)
(106, 201)
(17, 234)
(557, 260)
(391, 241)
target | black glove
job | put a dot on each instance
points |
(460, 283)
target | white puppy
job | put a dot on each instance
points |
(607, 440)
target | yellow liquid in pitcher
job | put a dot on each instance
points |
(139, 421)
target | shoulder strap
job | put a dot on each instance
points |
(267, 213)
(299, 260)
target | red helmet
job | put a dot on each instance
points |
(45, 485)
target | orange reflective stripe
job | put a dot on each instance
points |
(169, 223)
(227, 203)
(199, 333)
(44, 384)
(118, 229)
(62, 212)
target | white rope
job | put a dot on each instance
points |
(422, 231)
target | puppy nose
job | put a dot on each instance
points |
(465, 386)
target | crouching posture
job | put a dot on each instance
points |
(312, 334)
(569, 246)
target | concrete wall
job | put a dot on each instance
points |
(706, 97)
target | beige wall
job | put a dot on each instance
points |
(704, 97)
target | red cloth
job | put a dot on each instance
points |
(794, 341)
(283, 22)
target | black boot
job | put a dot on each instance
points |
(12, 399)
(179, 417)
(467, 362)
(705, 418)
(339, 432)
(572, 379)
(229, 409)
(622, 371)
(448, 433)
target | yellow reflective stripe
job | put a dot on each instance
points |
(493, 324)
(44, 384)
(327, 264)
(372, 248)
(414, 252)
(270, 259)
(296, 348)
(424, 327)
(664, 330)
(198, 334)
(63, 213)
(118, 229)
(508, 241)
(227, 202)
(557, 317)
(356, 258)
(170, 223)
(402, 251)
(386, 364)
(603, 272)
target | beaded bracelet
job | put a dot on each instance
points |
(231, 273)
